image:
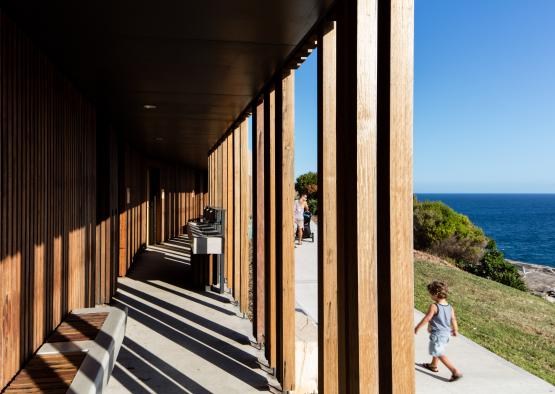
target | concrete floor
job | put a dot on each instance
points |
(178, 340)
(306, 275)
(484, 372)
(306, 297)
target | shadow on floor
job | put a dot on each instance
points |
(421, 369)
(151, 370)
(193, 299)
(162, 316)
(138, 369)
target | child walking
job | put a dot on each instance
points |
(442, 324)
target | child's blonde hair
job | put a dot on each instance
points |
(438, 289)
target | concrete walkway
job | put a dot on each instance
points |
(306, 275)
(306, 330)
(484, 372)
(178, 340)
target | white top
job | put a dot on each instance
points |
(299, 210)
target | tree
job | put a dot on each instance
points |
(308, 184)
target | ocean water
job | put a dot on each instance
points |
(523, 225)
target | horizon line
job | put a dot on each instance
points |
(550, 193)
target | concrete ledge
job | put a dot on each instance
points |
(96, 369)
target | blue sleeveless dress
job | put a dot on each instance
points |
(440, 329)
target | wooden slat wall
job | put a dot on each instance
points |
(182, 199)
(48, 209)
(65, 234)
(133, 196)
(220, 172)
(210, 173)
(228, 164)
(107, 218)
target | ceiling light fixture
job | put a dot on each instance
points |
(159, 139)
(149, 106)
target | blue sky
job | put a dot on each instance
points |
(306, 102)
(484, 97)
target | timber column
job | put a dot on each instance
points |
(374, 176)
(285, 257)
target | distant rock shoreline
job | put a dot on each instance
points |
(540, 279)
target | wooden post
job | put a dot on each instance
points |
(245, 258)
(230, 212)
(374, 167)
(217, 176)
(356, 177)
(270, 326)
(225, 192)
(210, 178)
(258, 219)
(328, 373)
(394, 170)
(213, 179)
(219, 172)
(237, 214)
(285, 195)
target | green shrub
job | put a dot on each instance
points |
(444, 232)
(493, 266)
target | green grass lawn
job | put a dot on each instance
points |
(517, 326)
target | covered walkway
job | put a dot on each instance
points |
(179, 340)
(122, 121)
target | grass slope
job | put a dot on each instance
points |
(515, 325)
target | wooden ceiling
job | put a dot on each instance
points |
(199, 62)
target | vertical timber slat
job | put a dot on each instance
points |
(356, 176)
(244, 237)
(258, 220)
(285, 155)
(270, 326)
(327, 221)
(237, 214)
(230, 257)
(394, 190)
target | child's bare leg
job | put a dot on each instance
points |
(434, 362)
(449, 365)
